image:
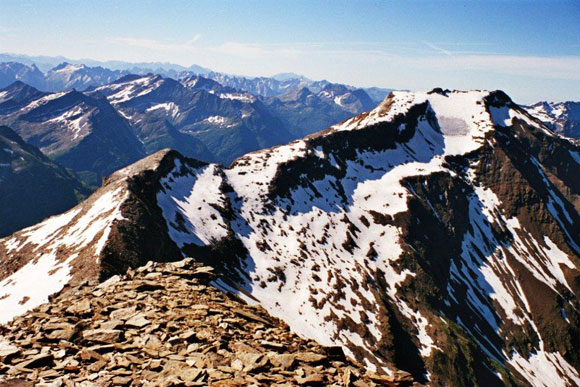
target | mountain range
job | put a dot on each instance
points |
(125, 118)
(436, 233)
(81, 132)
(562, 118)
(59, 74)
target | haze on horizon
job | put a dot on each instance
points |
(529, 49)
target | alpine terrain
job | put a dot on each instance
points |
(80, 132)
(436, 234)
(562, 118)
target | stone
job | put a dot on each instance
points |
(249, 315)
(251, 361)
(61, 334)
(106, 336)
(138, 321)
(310, 357)
(123, 314)
(314, 379)
(111, 324)
(346, 377)
(155, 365)
(121, 380)
(97, 366)
(42, 360)
(90, 355)
(189, 375)
(81, 308)
(284, 361)
(237, 365)
(7, 351)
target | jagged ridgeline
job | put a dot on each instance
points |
(437, 234)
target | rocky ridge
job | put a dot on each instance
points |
(163, 324)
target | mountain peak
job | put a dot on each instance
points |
(149, 163)
(68, 67)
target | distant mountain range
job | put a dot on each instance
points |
(61, 73)
(81, 132)
(45, 63)
(121, 117)
(562, 118)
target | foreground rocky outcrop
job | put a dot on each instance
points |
(163, 324)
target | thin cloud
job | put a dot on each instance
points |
(529, 66)
(158, 45)
(437, 48)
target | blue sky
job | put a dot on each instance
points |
(530, 49)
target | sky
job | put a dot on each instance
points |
(530, 49)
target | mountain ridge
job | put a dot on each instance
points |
(339, 234)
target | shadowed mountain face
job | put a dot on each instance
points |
(32, 187)
(200, 119)
(436, 234)
(11, 72)
(306, 112)
(83, 133)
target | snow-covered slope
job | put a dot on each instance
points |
(437, 233)
(76, 245)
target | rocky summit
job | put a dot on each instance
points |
(161, 325)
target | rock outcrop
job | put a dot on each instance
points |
(162, 325)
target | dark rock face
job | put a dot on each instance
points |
(142, 234)
(164, 324)
(436, 234)
(32, 187)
